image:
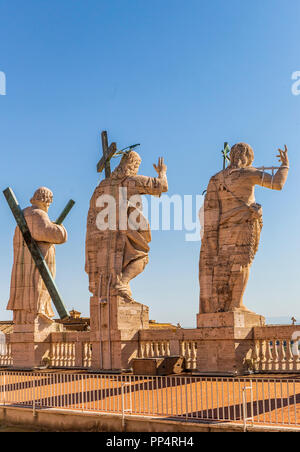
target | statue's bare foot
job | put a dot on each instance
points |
(123, 291)
(45, 317)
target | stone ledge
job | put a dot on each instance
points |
(235, 319)
(68, 421)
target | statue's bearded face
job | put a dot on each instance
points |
(241, 155)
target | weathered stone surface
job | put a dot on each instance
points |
(118, 235)
(31, 343)
(117, 246)
(232, 225)
(236, 319)
(158, 366)
(29, 297)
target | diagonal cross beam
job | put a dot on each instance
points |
(108, 152)
(35, 251)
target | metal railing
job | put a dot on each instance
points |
(258, 400)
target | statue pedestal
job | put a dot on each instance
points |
(114, 332)
(31, 342)
(226, 341)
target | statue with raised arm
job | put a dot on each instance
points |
(231, 229)
(118, 235)
(29, 296)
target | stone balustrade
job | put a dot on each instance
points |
(272, 348)
(189, 351)
(6, 359)
(63, 354)
(275, 349)
(160, 343)
(154, 349)
(72, 349)
(87, 354)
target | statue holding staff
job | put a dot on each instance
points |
(232, 226)
(29, 296)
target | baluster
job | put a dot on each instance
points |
(295, 352)
(58, 354)
(55, 351)
(9, 354)
(262, 355)
(62, 354)
(182, 348)
(85, 354)
(289, 356)
(147, 348)
(142, 350)
(189, 355)
(90, 355)
(255, 356)
(194, 355)
(51, 354)
(151, 349)
(73, 349)
(269, 356)
(71, 362)
(168, 351)
(276, 363)
(281, 355)
(61, 351)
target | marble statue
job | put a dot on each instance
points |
(232, 226)
(118, 253)
(29, 297)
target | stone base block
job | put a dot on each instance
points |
(227, 341)
(114, 332)
(236, 319)
(30, 343)
(223, 356)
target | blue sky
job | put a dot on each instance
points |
(178, 76)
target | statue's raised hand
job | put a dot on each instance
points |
(161, 167)
(283, 157)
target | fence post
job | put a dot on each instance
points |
(33, 397)
(245, 419)
(123, 403)
(4, 389)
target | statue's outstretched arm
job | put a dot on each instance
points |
(152, 185)
(276, 181)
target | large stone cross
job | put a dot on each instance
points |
(108, 152)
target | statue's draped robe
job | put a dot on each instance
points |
(109, 252)
(28, 292)
(230, 241)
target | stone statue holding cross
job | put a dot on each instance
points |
(29, 297)
(117, 253)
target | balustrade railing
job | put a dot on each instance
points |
(6, 359)
(276, 355)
